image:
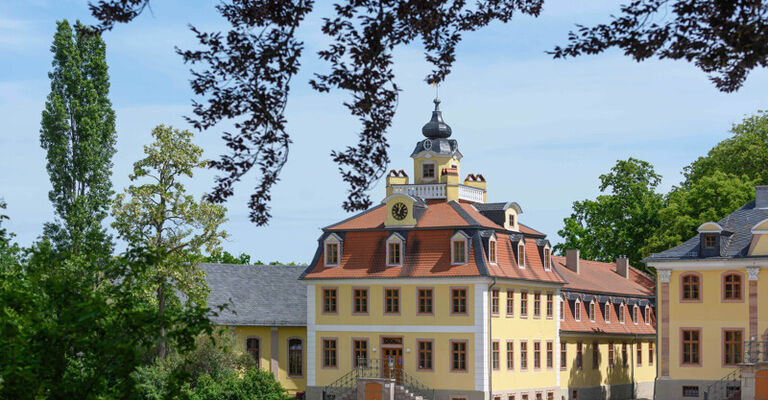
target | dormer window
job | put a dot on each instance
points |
(634, 314)
(577, 310)
(547, 261)
(621, 313)
(592, 311)
(332, 250)
(428, 170)
(710, 240)
(647, 315)
(459, 248)
(492, 251)
(511, 221)
(395, 250)
(607, 313)
(521, 255)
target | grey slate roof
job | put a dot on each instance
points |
(734, 239)
(258, 295)
(439, 145)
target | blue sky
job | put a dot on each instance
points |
(540, 130)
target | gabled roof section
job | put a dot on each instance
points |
(601, 277)
(257, 295)
(600, 326)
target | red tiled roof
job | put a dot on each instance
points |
(600, 277)
(570, 324)
(507, 263)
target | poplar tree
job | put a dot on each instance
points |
(78, 134)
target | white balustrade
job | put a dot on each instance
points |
(437, 191)
(471, 193)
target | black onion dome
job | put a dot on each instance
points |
(436, 128)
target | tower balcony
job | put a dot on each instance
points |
(428, 191)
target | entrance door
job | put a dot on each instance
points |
(393, 363)
(373, 391)
(761, 385)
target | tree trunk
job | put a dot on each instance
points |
(162, 349)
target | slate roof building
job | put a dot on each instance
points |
(713, 320)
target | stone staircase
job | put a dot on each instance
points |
(389, 380)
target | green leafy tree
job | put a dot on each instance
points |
(619, 222)
(78, 134)
(159, 215)
(226, 257)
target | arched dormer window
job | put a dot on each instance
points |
(577, 310)
(547, 258)
(690, 287)
(562, 309)
(621, 312)
(332, 252)
(395, 245)
(521, 254)
(492, 250)
(459, 248)
(732, 287)
(647, 315)
(635, 310)
(607, 312)
(592, 310)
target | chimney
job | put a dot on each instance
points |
(622, 266)
(572, 260)
(761, 196)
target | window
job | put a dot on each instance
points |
(611, 356)
(459, 301)
(523, 304)
(592, 311)
(510, 355)
(391, 301)
(647, 315)
(634, 314)
(550, 354)
(575, 394)
(639, 356)
(607, 313)
(295, 356)
(732, 346)
(511, 397)
(428, 170)
(691, 391)
(521, 255)
(360, 348)
(536, 355)
(495, 363)
(550, 304)
(624, 355)
(510, 303)
(577, 310)
(459, 251)
(495, 302)
(331, 254)
(563, 355)
(492, 251)
(732, 287)
(562, 310)
(393, 253)
(579, 355)
(329, 353)
(360, 301)
(511, 221)
(252, 347)
(538, 396)
(650, 353)
(691, 346)
(595, 355)
(524, 396)
(425, 301)
(550, 395)
(547, 262)
(329, 301)
(537, 305)
(710, 240)
(691, 287)
(523, 355)
(458, 356)
(621, 313)
(425, 355)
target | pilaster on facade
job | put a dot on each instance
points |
(664, 277)
(481, 349)
(311, 334)
(752, 274)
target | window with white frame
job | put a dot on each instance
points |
(647, 315)
(592, 311)
(621, 313)
(428, 170)
(635, 309)
(547, 259)
(332, 250)
(577, 310)
(561, 305)
(521, 255)
(492, 250)
(459, 248)
(395, 250)
(607, 313)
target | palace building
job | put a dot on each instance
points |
(436, 293)
(713, 331)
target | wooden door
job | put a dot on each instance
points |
(393, 363)
(373, 391)
(761, 385)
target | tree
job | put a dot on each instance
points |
(617, 223)
(226, 257)
(160, 216)
(724, 38)
(78, 134)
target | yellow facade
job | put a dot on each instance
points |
(440, 163)
(266, 336)
(603, 373)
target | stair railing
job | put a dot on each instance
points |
(725, 388)
(364, 368)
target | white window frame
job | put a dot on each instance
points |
(395, 238)
(577, 310)
(495, 254)
(592, 310)
(635, 310)
(521, 255)
(547, 265)
(332, 239)
(607, 312)
(622, 311)
(647, 315)
(434, 166)
(460, 236)
(561, 304)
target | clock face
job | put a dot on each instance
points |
(399, 211)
